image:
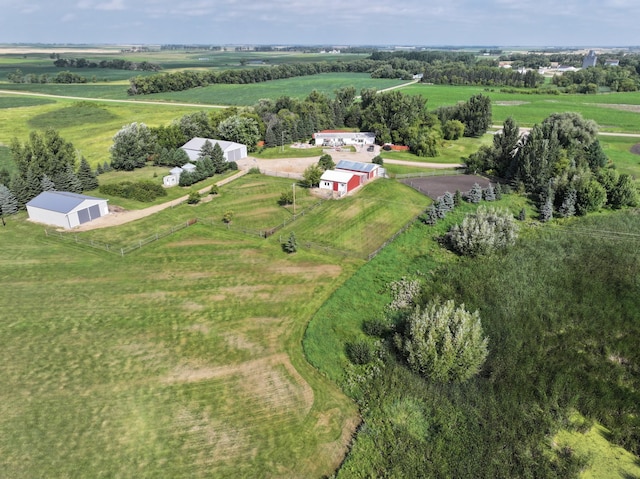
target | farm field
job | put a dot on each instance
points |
(186, 351)
(612, 112)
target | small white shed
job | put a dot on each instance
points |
(65, 209)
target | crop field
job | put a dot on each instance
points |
(618, 112)
(298, 87)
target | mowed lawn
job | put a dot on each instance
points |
(184, 358)
(180, 360)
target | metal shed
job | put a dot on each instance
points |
(66, 209)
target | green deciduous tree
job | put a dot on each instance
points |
(240, 129)
(326, 162)
(132, 146)
(312, 176)
(443, 342)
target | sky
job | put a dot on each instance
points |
(585, 23)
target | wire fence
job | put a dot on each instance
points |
(120, 250)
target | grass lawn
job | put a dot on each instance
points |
(360, 223)
(618, 149)
(287, 152)
(182, 359)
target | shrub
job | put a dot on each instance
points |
(483, 232)
(286, 198)
(232, 165)
(376, 327)
(443, 342)
(254, 171)
(377, 160)
(359, 352)
(214, 190)
(227, 216)
(144, 191)
(326, 162)
(194, 198)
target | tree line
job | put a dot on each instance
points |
(44, 162)
(115, 64)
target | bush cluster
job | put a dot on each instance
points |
(144, 191)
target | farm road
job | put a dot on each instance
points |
(121, 217)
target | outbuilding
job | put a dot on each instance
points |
(340, 182)
(372, 170)
(232, 151)
(66, 209)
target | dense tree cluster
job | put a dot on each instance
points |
(560, 163)
(47, 162)
(61, 77)
(461, 74)
(588, 80)
(474, 114)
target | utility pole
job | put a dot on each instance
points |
(294, 199)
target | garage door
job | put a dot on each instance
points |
(83, 216)
(94, 211)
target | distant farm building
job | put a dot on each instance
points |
(332, 138)
(232, 151)
(65, 209)
(371, 170)
(611, 62)
(591, 60)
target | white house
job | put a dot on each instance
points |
(65, 209)
(232, 151)
(341, 138)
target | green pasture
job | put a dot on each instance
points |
(618, 112)
(360, 223)
(89, 126)
(298, 87)
(618, 149)
(450, 151)
(181, 359)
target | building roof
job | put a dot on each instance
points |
(336, 176)
(188, 167)
(343, 134)
(356, 166)
(196, 144)
(175, 171)
(59, 201)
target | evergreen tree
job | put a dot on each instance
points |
(67, 180)
(326, 162)
(5, 176)
(489, 193)
(568, 206)
(46, 184)
(625, 193)
(99, 169)
(20, 190)
(457, 198)
(546, 212)
(475, 194)
(505, 144)
(441, 208)
(430, 216)
(448, 201)
(522, 215)
(8, 201)
(217, 157)
(86, 176)
(291, 245)
(498, 191)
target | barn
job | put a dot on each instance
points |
(340, 182)
(65, 209)
(372, 170)
(232, 151)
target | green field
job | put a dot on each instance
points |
(559, 310)
(619, 112)
(182, 358)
